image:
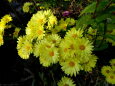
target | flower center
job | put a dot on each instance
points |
(112, 77)
(71, 63)
(51, 53)
(28, 47)
(54, 41)
(82, 47)
(72, 46)
(66, 85)
(107, 71)
(65, 50)
(48, 46)
(74, 35)
(40, 32)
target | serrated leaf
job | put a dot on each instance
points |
(89, 9)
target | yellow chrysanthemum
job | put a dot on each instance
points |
(92, 31)
(70, 21)
(2, 27)
(74, 33)
(54, 39)
(65, 81)
(84, 47)
(52, 21)
(63, 25)
(71, 66)
(110, 78)
(39, 18)
(40, 46)
(112, 62)
(26, 6)
(1, 40)
(7, 18)
(47, 13)
(15, 34)
(47, 52)
(49, 55)
(24, 47)
(91, 63)
(68, 48)
(106, 70)
(37, 32)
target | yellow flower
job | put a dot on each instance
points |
(63, 25)
(68, 48)
(110, 78)
(106, 70)
(47, 52)
(52, 21)
(70, 21)
(92, 31)
(71, 66)
(7, 18)
(24, 47)
(1, 40)
(54, 39)
(74, 33)
(91, 63)
(84, 47)
(26, 6)
(112, 62)
(15, 34)
(65, 81)
(2, 27)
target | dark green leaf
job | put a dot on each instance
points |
(89, 9)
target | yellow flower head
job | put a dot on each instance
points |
(65, 81)
(70, 21)
(91, 63)
(1, 40)
(84, 47)
(112, 62)
(71, 66)
(47, 52)
(26, 6)
(52, 21)
(63, 25)
(74, 33)
(106, 70)
(110, 78)
(54, 39)
(92, 31)
(2, 27)
(7, 18)
(24, 47)
(68, 48)
(15, 34)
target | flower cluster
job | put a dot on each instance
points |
(109, 72)
(45, 39)
(3, 25)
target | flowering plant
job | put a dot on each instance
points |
(59, 45)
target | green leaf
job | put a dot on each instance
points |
(89, 9)
(84, 20)
(102, 5)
